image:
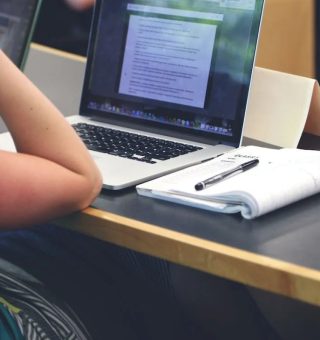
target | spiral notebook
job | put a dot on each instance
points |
(281, 177)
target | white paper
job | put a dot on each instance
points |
(281, 178)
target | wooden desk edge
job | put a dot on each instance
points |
(231, 263)
(58, 53)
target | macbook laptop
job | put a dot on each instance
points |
(17, 21)
(166, 84)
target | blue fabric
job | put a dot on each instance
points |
(9, 329)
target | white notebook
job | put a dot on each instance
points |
(281, 178)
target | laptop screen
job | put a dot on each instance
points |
(178, 64)
(17, 19)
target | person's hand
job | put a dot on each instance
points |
(80, 5)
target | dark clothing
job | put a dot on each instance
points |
(117, 293)
(61, 27)
(121, 294)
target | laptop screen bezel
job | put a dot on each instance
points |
(26, 39)
(156, 127)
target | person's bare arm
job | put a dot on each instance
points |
(52, 173)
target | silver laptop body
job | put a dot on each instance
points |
(121, 172)
(167, 69)
(175, 70)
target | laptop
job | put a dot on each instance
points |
(17, 22)
(166, 84)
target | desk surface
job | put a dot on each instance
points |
(278, 252)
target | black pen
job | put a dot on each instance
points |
(223, 175)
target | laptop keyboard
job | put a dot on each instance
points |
(130, 145)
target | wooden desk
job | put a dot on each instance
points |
(278, 252)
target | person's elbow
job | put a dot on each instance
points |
(91, 188)
(95, 186)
